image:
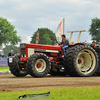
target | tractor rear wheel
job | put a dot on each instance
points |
(80, 60)
(16, 69)
(38, 65)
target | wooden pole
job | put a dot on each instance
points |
(63, 24)
(37, 38)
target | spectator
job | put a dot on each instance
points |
(93, 44)
(11, 53)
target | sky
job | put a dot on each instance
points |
(29, 15)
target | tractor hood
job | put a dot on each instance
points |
(40, 46)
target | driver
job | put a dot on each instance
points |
(65, 42)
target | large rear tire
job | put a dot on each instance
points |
(80, 60)
(38, 65)
(16, 69)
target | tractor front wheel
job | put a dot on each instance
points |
(15, 68)
(38, 65)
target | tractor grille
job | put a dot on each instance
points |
(23, 51)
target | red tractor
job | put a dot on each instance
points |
(39, 60)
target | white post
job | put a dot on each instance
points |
(79, 36)
(70, 37)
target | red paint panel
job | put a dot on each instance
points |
(40, 46)
(26, 52)
(53, 54)
(23, 59)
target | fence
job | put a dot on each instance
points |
(3, 62)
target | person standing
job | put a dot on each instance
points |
(11, 53)
(93, 44)
(65, 42)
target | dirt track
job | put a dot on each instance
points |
(8, 82)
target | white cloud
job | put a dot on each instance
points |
(11, 20)
(29, 15)
(28, 38)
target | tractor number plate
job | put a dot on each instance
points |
(10, 60)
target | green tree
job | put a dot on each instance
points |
(11, 47)
(8, 34)
(46, 36)
(95, 29)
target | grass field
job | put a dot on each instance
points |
(4, 68)
(78, 93)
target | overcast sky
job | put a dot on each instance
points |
(29, 15)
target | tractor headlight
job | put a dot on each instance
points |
(23, 45)
(21, 55)
(24, 55)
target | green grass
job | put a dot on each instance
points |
(72, 93)
(4, 68)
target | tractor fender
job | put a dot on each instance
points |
(77, 43)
